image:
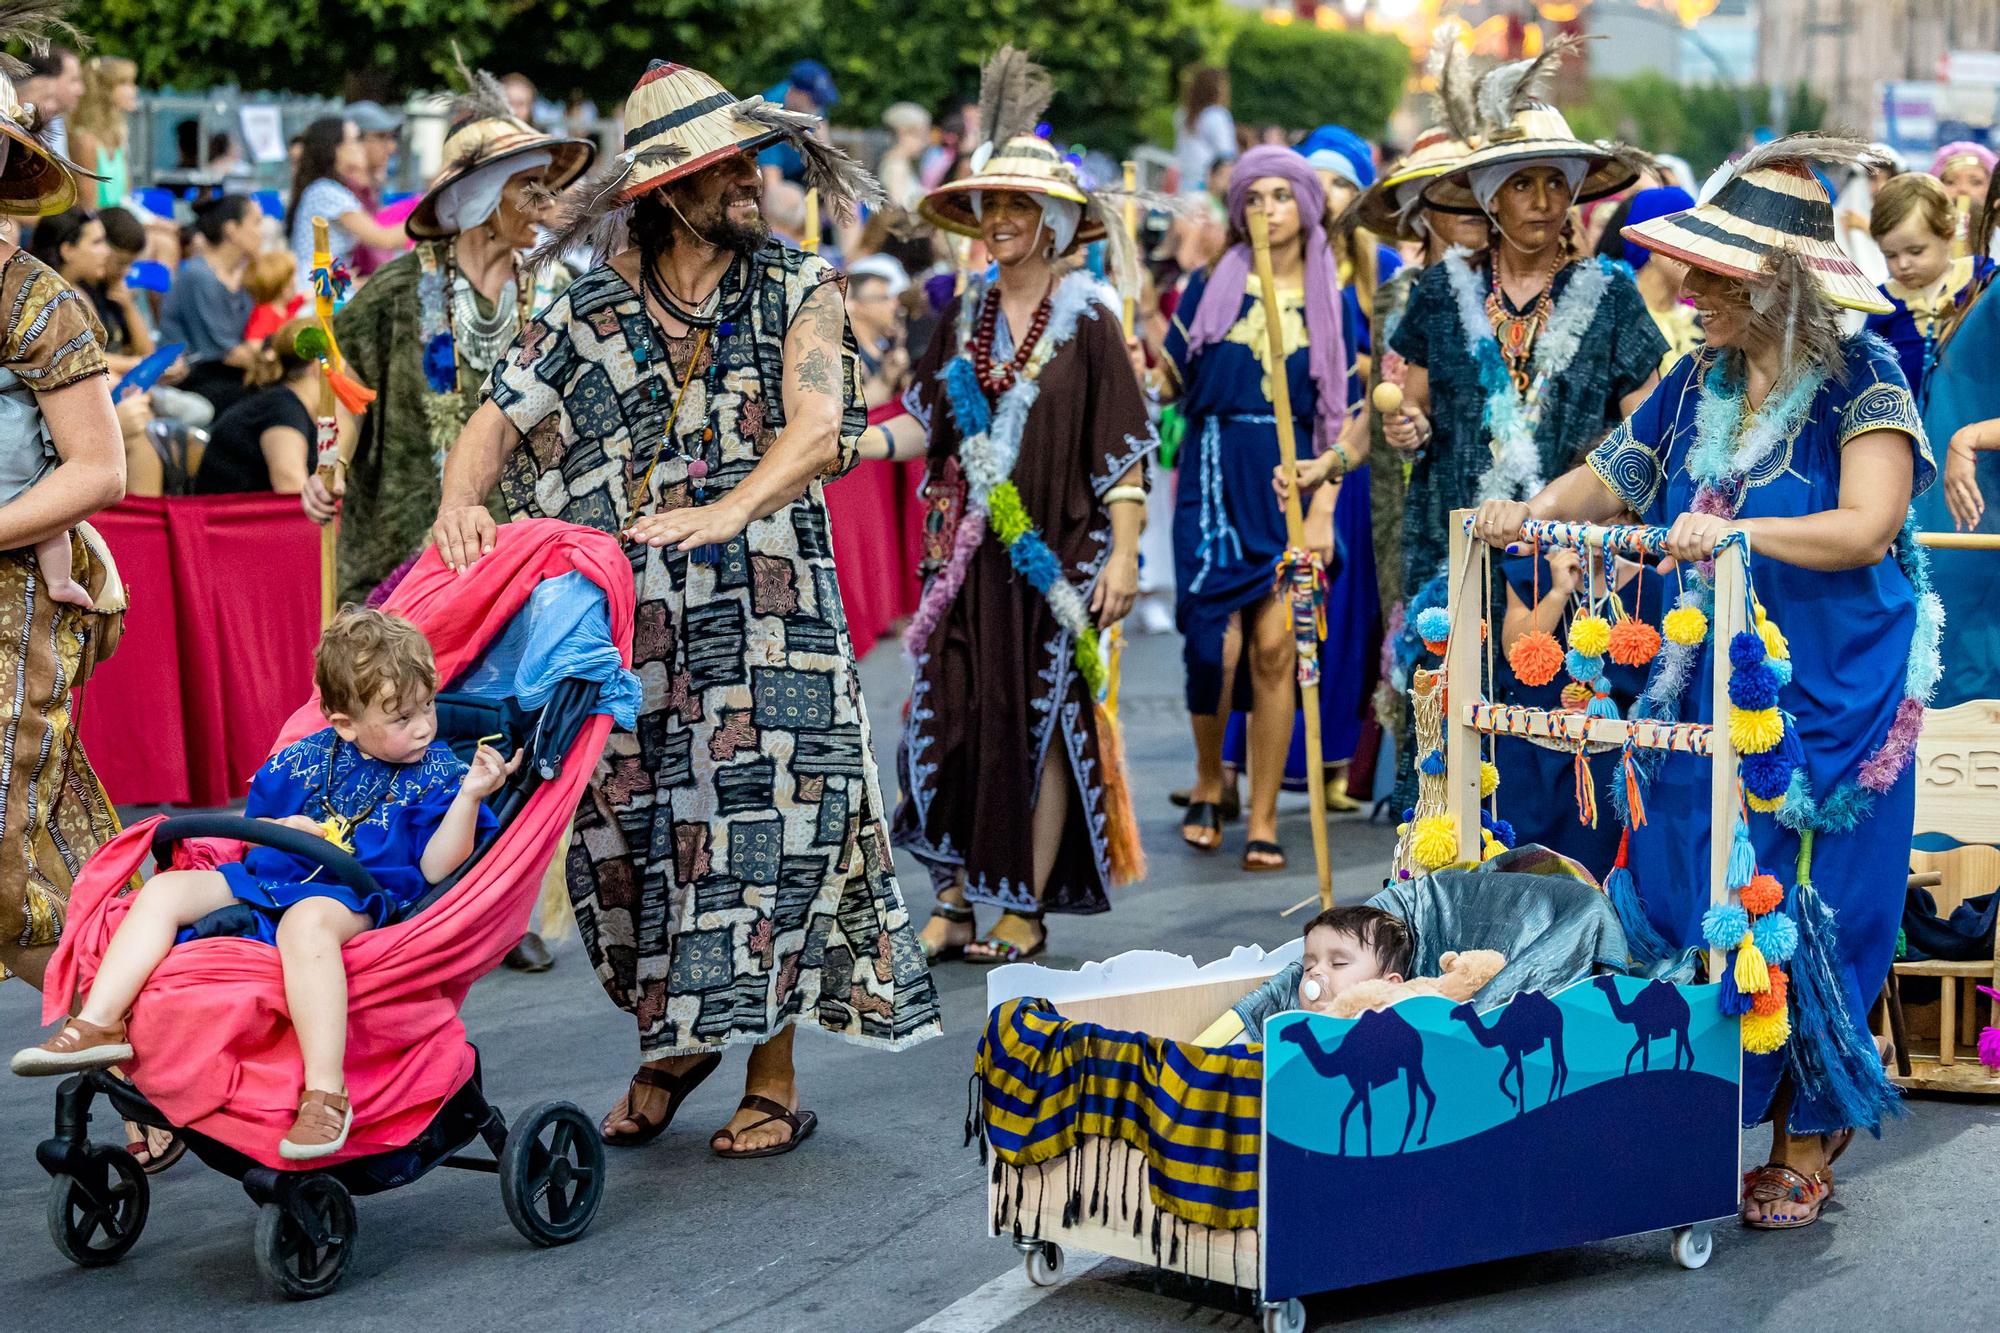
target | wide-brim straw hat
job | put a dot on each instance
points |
(1537, 132)
(481, 143)
(1781, 206)
(1025, 164)
(1381, 206)
(36, 180)
(679, 121)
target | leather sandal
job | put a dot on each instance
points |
(676, 1086)
(1774, 1184)
(999, 949)
(321, 1128)
(155, 1163)
(802, 1123)
(76, 1047)
(1202, 827)
(959, 914)
(1261, 857)
(1231, 803)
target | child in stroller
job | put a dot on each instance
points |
(376, 782)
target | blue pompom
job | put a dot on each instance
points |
(1582, 667)
(1777, 938)
(1766, 776)
(1433, 624)
(1722, 927)
(1503, 832)
(441, 363)
(1733, 1002)
(1754, 687)
(1781, 670)
(1746, 650)
(1432, 763)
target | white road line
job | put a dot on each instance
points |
(1004, 1297)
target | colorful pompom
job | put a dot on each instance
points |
(1723, 925)
(310, 343)
(1434, 841)
(1754, 687)
(1535, 657)
(1432, 763)
(1761, 896)
(1745, 650)
(1755, 730)
(1777, 939)
(1686, 624)
(1590, 635)
(1768, 774)
(1582, 666)
(1503, 832)
(1489, 778)
(1773, 637)
(1433, 625)
(1772, 1001)
(1765, 1033)
(1494, 847)
(1753, 974)
(1576, 696)
(1634, 643)
(1733, 1003)
(1766, 805)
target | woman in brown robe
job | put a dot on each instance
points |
(1002, 763)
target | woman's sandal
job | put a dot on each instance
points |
(1201, 829)
(999, 949)
(155, 1163)
(802, 1123)
(676, 1086)
(959, 914)
(1231, 803)
(1771, 1184)
(1261, 857)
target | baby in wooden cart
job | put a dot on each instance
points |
(377, 783)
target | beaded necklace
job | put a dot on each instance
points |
(1516, 332)
(996, 380)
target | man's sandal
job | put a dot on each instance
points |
(1262, 857)
(1000, 949)
(1201, 829)
(76, 1047)
(1772, 1184)
(959, 914)
(676, 1086)
(321, 1128)
(802, 1123)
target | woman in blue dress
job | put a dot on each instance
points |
(1809, 445)
(1229, 530)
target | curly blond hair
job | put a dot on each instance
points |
(369, 657)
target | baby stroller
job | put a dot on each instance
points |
(216, 1059)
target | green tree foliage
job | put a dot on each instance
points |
(1300, 76)
(1704, 123)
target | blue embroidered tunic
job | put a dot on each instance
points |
(1913, 332)
(399, 807)
(1850, 635)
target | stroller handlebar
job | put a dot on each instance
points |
(340, 865)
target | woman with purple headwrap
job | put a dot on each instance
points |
(1229, 528)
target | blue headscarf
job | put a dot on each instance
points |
(1340, 150)
(1650, 204)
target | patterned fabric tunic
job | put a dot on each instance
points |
(731, 871)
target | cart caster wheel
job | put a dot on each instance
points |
(1693, 1245)
(1285, 1317)
(552, 1173)
(305, 1241)
(96, 1216)
(1044, 1263)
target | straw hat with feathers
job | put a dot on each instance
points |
(1385, 208)
(1766, 209)
(679, 121)
(483, 130)
(1511, 122)
(36, 180)
(1014, 94)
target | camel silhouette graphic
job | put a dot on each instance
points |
(1377, 1049)
(1521, 1029)
(1659, 1010)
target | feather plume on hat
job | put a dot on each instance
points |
(1450, 68)
(35, 24)
(1505, 91)
(1014, 94)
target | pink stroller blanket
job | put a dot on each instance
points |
(212, 1038)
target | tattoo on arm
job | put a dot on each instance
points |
(815, 360)
(817, 371)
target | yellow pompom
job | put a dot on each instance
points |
(1686, 624)
(1492, 849)
(1753, 975)
(1590, 635)
(1755, 730)
(1434, 841)
(1774, 639)
(1402, 830)
(1489, 779)
(1765, 1033)
(1763, 806)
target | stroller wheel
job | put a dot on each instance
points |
(96, 1215)
(552, 1173)
(306, 1239)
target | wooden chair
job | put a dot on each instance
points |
(1958, 795)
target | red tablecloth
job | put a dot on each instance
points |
(217, 650)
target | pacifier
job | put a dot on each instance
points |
(1310, 990)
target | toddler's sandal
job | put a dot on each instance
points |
(321, 1128)
(77, 1046)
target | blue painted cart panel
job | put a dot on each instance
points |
(1429, 1136)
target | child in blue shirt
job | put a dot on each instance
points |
(375, 782)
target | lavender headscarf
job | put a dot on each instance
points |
(1222, 299)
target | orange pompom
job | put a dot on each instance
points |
(1576, 696)
(1634, 642)
(1771, 1001)
(1761, 895)
(1536, 657)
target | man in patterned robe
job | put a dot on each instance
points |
(731, 868)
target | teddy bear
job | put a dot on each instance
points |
(1464, 974)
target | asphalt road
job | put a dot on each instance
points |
(877, 1223)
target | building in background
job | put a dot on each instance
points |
(1847, 50)
(1721, 46)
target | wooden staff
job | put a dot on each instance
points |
(327, 458)
(1960, 541)
(1295, 532)
(811, 243)
(1132, 231)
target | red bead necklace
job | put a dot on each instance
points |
(996, 380)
